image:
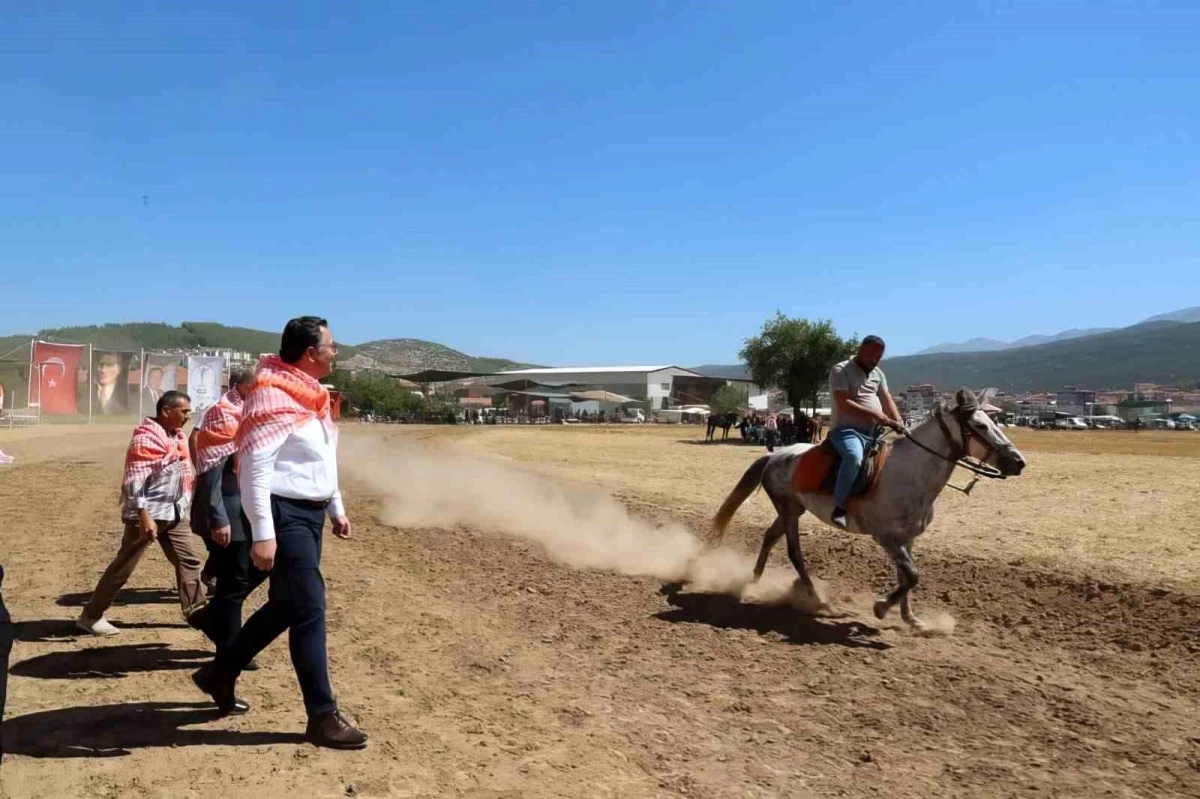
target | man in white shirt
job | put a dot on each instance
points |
(287, 452)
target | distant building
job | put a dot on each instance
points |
(917, 401)
(1076, 402)
(659, 386)
(1037, 406)
(232, 357)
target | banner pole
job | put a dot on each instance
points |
(29, 383)
(141, 382)
(91, 377)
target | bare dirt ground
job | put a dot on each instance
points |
(482, 667)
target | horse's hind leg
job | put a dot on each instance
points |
(770, 539)
(906, 577)
(796, 555)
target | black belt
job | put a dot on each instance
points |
(311, 504)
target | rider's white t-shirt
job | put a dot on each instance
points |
(863, 388)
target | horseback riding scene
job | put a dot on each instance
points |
(856, 480)
(613, 400)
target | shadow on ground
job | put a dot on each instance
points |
(109, 661)
(128, 596)
(49, 631)
(116, 730)
(729, 613)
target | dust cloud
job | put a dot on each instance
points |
(577, 525)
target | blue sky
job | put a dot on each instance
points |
(617, 182)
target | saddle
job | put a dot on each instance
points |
(816, 473)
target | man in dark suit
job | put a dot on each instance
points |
(6, 641)
(217, 514)
(153, 388)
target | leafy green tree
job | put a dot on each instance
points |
(795, 355)
(729, 398)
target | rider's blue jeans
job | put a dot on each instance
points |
(849, 444)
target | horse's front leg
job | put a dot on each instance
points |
(906, 578)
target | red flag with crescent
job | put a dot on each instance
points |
(54, 376)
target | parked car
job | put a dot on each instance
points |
(1071, 423)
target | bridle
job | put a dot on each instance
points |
(958, 452)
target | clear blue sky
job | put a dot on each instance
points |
(613, 182)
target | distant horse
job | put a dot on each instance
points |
(900, 505)
(723, 421)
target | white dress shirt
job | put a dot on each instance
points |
(302, 466)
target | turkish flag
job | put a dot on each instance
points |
(54, 376)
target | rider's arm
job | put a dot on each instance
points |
(889, 405)
(845, 405)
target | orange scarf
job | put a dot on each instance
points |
(283, 398)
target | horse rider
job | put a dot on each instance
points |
(860, 403)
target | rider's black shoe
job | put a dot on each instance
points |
(838, 519)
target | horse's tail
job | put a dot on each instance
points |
(745, 487)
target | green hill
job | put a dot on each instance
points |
(1153, 352)
(389, 355)
(406, 355)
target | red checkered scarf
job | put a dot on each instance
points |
(150, 452)
(215, 438)
(283, 398)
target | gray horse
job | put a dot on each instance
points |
(900, 506)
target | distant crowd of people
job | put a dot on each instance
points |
(780, 430)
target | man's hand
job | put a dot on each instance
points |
(147, 526)
(263, 554)
(222, 535)
(341, 527)
(897, 426)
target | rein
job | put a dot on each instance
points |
(977, 467)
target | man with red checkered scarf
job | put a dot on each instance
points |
(156, 491)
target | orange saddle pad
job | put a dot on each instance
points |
(813, 474)
(813, 468)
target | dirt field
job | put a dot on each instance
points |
(483, 666)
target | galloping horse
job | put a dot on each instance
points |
(723, 421)
(900, 505)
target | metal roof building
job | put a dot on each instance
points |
(662, 386)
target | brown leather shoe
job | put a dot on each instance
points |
(333, 730)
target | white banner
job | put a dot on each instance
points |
(205, 375)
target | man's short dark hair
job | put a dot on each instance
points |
(240, 374)
(300, 334)
(169, 399)
(873, 341)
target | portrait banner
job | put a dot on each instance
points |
(205, 376)
(160, 372)
(110, 383)
(54, 377)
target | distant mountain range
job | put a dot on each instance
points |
(1163, 349)
(995, 345)
(1166, 352)
(397, 355)
(730, 371)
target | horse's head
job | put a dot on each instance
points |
(984, 440)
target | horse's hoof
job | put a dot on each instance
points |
(881, 608)
(916, 624)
